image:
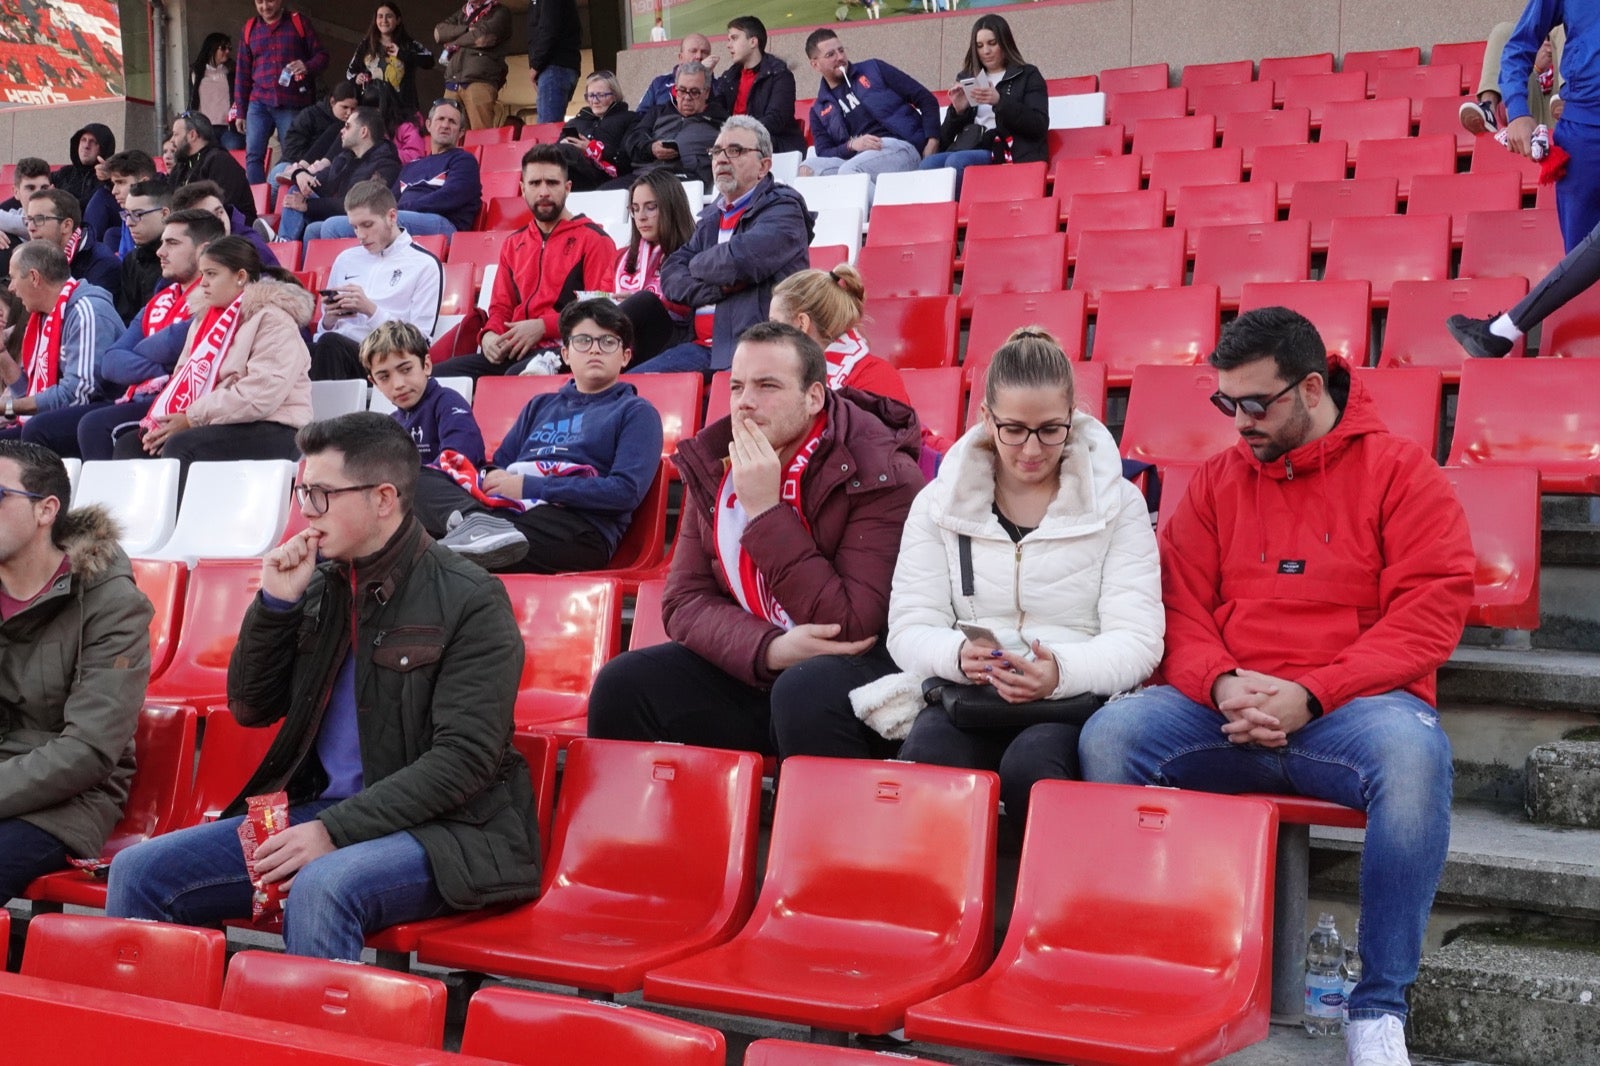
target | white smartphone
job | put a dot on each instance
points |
(1010, 641)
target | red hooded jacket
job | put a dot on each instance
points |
(539, 274)
(1345, 565)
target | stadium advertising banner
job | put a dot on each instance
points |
(710, 17)
(59, 51)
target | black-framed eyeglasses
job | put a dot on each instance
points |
(734, 152)
(689, 94)
(1254, 406)
(314, 498)
(1015, 434)
(133, 215)
(4, 492)
(39, 220)
(609, 343)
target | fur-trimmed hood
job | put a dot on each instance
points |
(287, 297)
(89, 537)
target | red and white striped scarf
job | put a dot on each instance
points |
(41, 342)
(749, 585)
(198, 374)
(168, 306)
(843, 355)
(465, 473)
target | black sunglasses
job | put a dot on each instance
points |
(1254, 406)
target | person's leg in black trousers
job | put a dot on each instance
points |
(335, 357)
(811, 712)
(667, 692)
(95, 429)
(560, 540)
(1044, 752)
(58, 429)
(654, 330)
(215, 444)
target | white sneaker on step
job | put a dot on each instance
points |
(1379, 1041)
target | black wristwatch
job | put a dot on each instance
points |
(1313, 705)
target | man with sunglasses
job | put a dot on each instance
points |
(392, 667)
(74, 662)
(1315, 576)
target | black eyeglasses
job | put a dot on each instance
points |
(1015, 434)
(133, 215)
(4, 492)
(1254, 406)
(689, 94)
(609, 343)
(314, 498)
(734, 152)
(39, 220)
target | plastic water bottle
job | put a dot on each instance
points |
(1324, 1009)
(1352, 968)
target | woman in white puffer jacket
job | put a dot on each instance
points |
(1062, 556)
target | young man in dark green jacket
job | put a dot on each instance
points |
(74, 662)
(406, 797)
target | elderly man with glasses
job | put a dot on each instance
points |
(677, 135)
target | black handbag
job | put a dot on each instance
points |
(981, 707)
(971, 136)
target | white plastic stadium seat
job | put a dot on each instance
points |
(141, 494)
(838, 225)
(462, 386)
(785, 167)
(1073, 112)
(695, 190)
(609, 207)
(329, 399)
(230, 510)
(74, 468)
(835, 190)
(916, 187)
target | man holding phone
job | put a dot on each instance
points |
(677, 134)
(387, 277)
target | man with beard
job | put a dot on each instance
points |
(201, 158)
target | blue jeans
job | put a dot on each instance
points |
(26, 852)
(259, 122)
(958, 162)
(555, 92)
(197, 876)
(415, 223)
(677, 359)
(292, 224)
(1384, 754)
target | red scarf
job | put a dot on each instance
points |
(168, 306)
(843, 355)
(463, 472)
(473, 12)
(749, 585)
(198, 373)
(41, 343)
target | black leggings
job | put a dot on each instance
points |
(1578, 269)
(1037, 753)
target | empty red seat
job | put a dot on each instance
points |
(505, 213)
(156, 959)
(1320, 202)
(1416, 334)
(516, 1025)
(1442, 114)
(1126, 108)
(1094, 174)
(936, 397)
(912, 223)
(1231, 72)
(1384, 251)
(1145, 77)
(494, 184)
(481, 248)
(1175, 478)
(877, 896)
(571, 625)
(1171, 418)
(996, 315)
(540, 133)
(1316, 91)
(1502, 506)
(490, 135)
(1015, 218)
(1489, 155)
(1236, 204)
(774, 1052)
(229, 755)
(501, 156)
(827, 256)
(320, 254)
(163, 583)
(1531, 412)
(1086, 142)
(1224, 101)
(1088, 391)
(913, 331)
(1415, 84)
(1405, 159)
(1376, 59)
(1173, 172)
(1502, 244)
(653, 859)
(1137, 259)
(1341, 311)
(1072, 86)
(1408, 400)
(1167, 326)
(1231, 257)
(457, 293)
(1458, 195)
(217, 594)
(1358, 121)
(1277, 69)
(997, 264)
(1573, 329)
(1184, 134)
(924, 269)
(341, 997)
(1110, 961)
(1468, 55)
(1013, 182)
(1287, 164)
(1138, 209)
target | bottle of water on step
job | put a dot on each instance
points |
(1324, 1009)
(1352, 968)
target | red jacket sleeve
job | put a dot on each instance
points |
(1191, 577)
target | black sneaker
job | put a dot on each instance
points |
(1478, 118)
(491, 542)
(1473, 335)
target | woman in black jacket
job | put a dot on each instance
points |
(592, 139)
(759, 85)
(999, 106)
(390, 54)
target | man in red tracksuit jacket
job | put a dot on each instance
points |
(1315, 576)
(543, 267)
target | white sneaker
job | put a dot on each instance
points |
(1379, 1041)
(542, 363)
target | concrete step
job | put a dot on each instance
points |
(1570, 544)
(1563, 781)
(1566, 680)
(1497, 860)
(1492, 743)
(1569, 608)
(1573, 510)
(1522, 1000)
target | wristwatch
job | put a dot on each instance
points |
(11, 406)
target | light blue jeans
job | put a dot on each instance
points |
(415, 223)
(259, 122)
(555, 92)
(895, 156)
(1384, 754)
(197, 877)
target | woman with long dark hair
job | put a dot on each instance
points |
(999, 106)
(211, 85)
(661, 223)
(390, 54)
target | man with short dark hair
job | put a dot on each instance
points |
(144, 213)
(1315, 576)
(207, 196)
(869, 117)
(276, 64)
(678, 134)
(694, 48)
(792, 514)
(201, 158)
(75, 650)
(53, 216)
(393, 667)
(366, 153)
(438, 193)
(123, 171)
(70, 325)
(759, 85)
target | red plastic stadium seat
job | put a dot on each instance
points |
(1316, 91)
(320, 254)
(1341, 311)
(775, 1052)
(1502, 505)
(1377, 59)
(1142, 209)
(481, 248)
(1408, 400)
(1088, 390)
(571, 625)
(1277, 69)
(540, 133)
(1099, 173)
(1172, 172)
(1231, 257)
(1442, 114)
(1531, 412)
(653, 859)
(1185, 134)
(1175, 478)
(1014, 219)
(926, 269)
(1164, 326)
(457, 294)
(260, 196)
(1236, 204)
(1232, 72)
(1502, 244)
(1170, 416)
(892, 224)
(648, 630)
(1405, 159)
(1573, 330)
(1125, 109)
(163, 583)
(1457, 195)
(1384, 251)
(827, 256)
(1320, 202)
(996, 315)
(1225, 101)
(913, 331)
(499, 183)
(501, 157)
(218, 593)
(996, 264)
(491, 135)
(1110, 961)
(516, 1025)
(877, 896)
(156, 959)
(229, 755)
(720, 396)
(1138, 259)
(1087, 142)
(1489, 155)
(506, 213)
(1357, 121)
(1287, 164)
(936, 397)
(1468, 55)
(1146, 77)
(1416, 333)
(1018, 181)
(1072, 86)
(342, 997)
(1415, 84)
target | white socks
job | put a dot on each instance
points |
(1504, 327)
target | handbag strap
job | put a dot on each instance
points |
(964, 549)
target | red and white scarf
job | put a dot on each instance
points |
(41, 342)
(646, 275)
(473, 13)
(465, 473)
(74, 243)
(749, 584)
(843, 355)
(198, 374)
(168, 306)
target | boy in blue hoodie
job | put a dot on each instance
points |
(395, 356)
(577, 463)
